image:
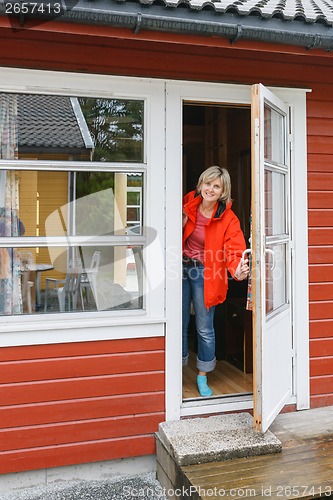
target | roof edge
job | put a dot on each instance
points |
(205, 23)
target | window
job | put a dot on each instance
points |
(72, 179)
(134, 205)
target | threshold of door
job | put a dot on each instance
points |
(209, 406)
(214, 399)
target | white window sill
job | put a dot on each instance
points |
(54, 329)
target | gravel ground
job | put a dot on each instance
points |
(143, 486)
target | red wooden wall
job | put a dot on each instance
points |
(82, 402)
(72, 403)
(320, 203)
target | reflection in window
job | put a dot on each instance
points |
(134, 207)
(116, 128)
(275, 196)
(274, 138)
(50, 127)
(276, 281)
(79, 203)
(70, 279)
(104, 271)
(101, 204)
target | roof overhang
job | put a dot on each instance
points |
(206, 22)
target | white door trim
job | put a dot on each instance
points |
(176, 93)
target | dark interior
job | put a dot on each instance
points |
(220, 135)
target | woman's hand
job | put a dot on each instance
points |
(242, 270)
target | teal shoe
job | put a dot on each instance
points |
(203, 387)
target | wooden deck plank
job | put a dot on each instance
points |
(279, 459)
(282, 482)
(292, 473)
(304, 468)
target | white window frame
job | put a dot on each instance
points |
(83, 326)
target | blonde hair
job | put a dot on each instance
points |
(213, 173)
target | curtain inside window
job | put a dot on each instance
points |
(10, 275)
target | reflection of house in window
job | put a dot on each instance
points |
(134, 205)
(49, 128)
(133, 214)
(52, 128)
(62, 196)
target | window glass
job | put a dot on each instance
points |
(275, 196)
(276, 281)
(50, 127)
(49, 203)
(82, 228)
(134, 207)
(274, 142)
(70, 279)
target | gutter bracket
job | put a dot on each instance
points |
(238, 34)
(138, 24)
(316, 42)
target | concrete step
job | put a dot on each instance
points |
(203, 440)
(215, 438)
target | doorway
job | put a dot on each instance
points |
(218, 134)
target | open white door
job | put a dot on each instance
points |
(271, 256)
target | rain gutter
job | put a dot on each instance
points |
(205, 22)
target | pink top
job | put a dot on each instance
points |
(195, 243)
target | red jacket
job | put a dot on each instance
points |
(224, 245)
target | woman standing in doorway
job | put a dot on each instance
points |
(213, 243)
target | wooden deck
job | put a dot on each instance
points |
(304, 468)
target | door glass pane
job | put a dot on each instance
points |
(275, 218)
(274, 137)
(70, 279)
(50, 127)
(49, 203)
(276, 284)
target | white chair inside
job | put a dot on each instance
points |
(66, 290)
(89, 279)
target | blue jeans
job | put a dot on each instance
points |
(193, 290)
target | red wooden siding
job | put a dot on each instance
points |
(320, 204)
(80, 402)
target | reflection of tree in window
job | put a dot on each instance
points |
(116, 127)
(96, 215)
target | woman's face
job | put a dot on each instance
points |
(211, 190)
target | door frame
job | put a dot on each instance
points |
(175, 94)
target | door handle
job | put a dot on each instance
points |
(270, 251)
(247, 251)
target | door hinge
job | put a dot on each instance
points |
(291, 141)
(293, 356)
